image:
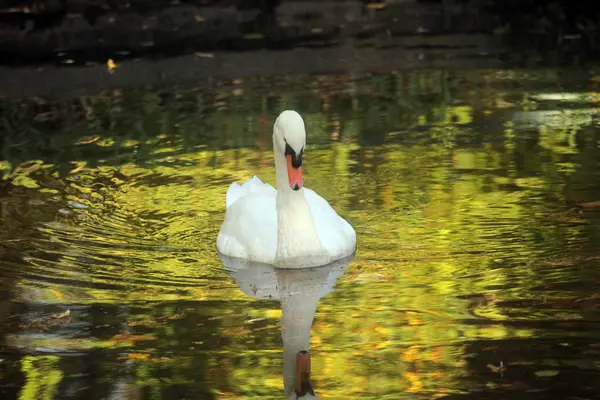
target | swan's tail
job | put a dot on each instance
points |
(236, 191)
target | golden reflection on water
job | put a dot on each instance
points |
(463, 189)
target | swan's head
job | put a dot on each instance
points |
(289, 138)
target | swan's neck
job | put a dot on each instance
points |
(297, 237)
(281, 173)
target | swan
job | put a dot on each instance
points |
(291, 227)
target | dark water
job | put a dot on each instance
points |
(474, 195)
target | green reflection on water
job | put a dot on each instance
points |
(462, 186)
(42, 377)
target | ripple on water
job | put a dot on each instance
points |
(94, 245)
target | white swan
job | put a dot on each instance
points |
(291, 227)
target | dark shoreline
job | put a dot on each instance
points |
(61, 48)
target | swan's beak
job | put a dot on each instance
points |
(303, 385)
(294, 169)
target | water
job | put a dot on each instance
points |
(472, 194)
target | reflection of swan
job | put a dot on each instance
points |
(291, 227)
(299, 291)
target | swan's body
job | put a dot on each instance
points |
(292, 227)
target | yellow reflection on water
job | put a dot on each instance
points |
(459, 202)
(42, 377)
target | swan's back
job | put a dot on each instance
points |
(254, 185)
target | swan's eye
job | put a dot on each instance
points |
(296, 158)
(288, 149)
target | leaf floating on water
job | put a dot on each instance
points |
(110, 64)
(89, 139)
(547, 373)
(498, 369)
(63, 315)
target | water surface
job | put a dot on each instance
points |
(474, 195)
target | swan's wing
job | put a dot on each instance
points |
(254, 185)
(335, 233)
(249, 230)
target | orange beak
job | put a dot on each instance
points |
(294, 174)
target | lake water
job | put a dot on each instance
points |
(474, 195)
